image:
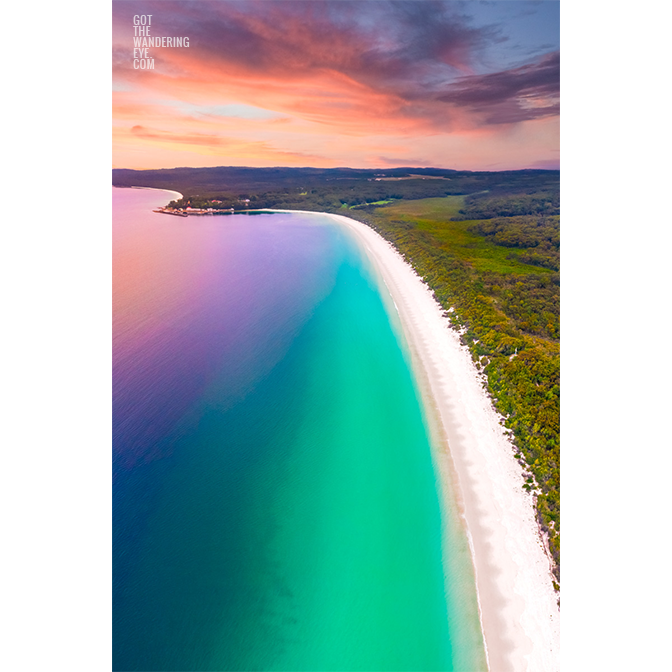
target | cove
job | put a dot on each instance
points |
(275, 502)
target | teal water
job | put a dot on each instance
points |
(276, 505)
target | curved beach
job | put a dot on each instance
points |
(276, 499)
(177, 194)
(518, 605)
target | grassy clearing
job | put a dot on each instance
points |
(433, 216)
(366, 205)
(431, 209)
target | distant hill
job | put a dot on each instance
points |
(335, 186)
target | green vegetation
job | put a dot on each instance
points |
(507, 304)
(537, 238)
(485, 206)
(325, 189)
(486, 243)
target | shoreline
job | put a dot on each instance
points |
(520, 619)
(168, 191)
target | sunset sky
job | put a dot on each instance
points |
(365, 84)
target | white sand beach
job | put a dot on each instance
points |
(518, 605)
(176, 194)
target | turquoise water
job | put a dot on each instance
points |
(275, 501)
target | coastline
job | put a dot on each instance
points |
(168, 191)
(518, 608)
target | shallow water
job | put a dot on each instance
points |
(275, 501)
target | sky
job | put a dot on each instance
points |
(365, 84)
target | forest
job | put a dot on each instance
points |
(486, 243)
(329, 189)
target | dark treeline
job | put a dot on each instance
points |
(327, 189)
(487, 206)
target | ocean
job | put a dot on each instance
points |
(275, 501)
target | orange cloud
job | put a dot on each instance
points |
(326, 76)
